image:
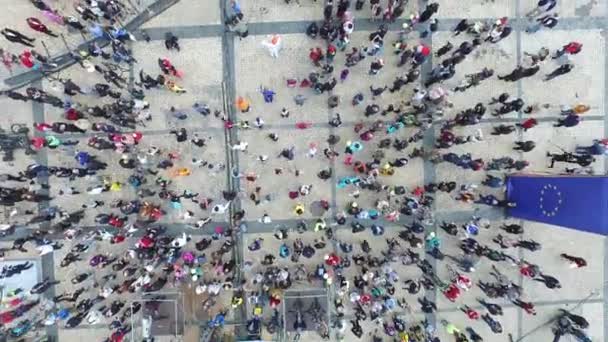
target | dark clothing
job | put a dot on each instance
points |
(17, 37)
(561, 70)
(524, 146)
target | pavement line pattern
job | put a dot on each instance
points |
(605, 290)
(290, 27)
(518, 61)
(262, 28)
(232, 164)
(286, 27)
(428, 143)
(47, 262)
(285, 126)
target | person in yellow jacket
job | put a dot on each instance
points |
(298, 209)
(387, 170)
(182, 171)
(174, 87)
(116, 186)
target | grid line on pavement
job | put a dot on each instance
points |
(518, 61)
(233, 168)
(283, 126)
(365, 24)
(263, 28)
(47, 262)
(428, 144)
(604, 100)
(578, 302)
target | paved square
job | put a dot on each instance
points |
(218, 67)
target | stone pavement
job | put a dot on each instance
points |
(219, 67)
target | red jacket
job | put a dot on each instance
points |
(472, 314)
(26, 59)
(36, 25)
(315, 54)
(529, 123)
(573, 48)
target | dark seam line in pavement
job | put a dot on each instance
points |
(256, 227)
(228, 155)
(182, 32)
(173, 229)
(291, 126)
(428, 144)
(131, 72)
(41, 156)
(262, 28)
(332, 167)
(605, 287)
(299, 26)
(348, 317)
(229, 78)
(332, 162)
(46, 261)
(333, 193)
(519, 56)
(154, 132)
(510, 305)
(604, 100)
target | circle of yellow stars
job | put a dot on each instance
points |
(549, 188)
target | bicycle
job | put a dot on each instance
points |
(316, 313)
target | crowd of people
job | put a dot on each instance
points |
(364, 279)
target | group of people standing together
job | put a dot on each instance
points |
(366, 276)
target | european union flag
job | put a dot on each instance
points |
(579, 202)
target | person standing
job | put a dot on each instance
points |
(428, 12)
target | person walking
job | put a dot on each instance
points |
(575, 262)
(527, 124)
(598, 148)
(542, 6)
(569, 121)
(571, 48)
(524, 146)
(561, 70)
(17, 37)
(38, 26)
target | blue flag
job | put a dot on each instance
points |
(578, 202)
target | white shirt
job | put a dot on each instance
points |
(45, 249)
